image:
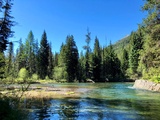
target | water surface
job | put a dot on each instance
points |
(105, 101)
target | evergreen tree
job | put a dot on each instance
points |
(150, 56)
(103, 62)
(36, 53)
(97, 61)
(21, 57)
(112, 63)
(5, 25)
(71, 59)
(60, 71)
(88, 50)
(55, 60)
(125, 61)
(81, 68)
(2, 65)
(50, 62)
(9, 61)
(5, 31)
(136, 40)
(43, 56)
(91, 66)
(30, 54)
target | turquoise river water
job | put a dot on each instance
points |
(103, 101)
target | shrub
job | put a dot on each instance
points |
(35, 77)
(23, 74)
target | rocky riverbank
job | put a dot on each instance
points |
(147, 85)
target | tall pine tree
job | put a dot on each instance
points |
(30, 54)
(71, 59)
(150, 56)
(97, 61)
(124, 62)
(136, 42)
(88, 50)
(50, 62)
(112, 69)
(43, 56)
(5, 25)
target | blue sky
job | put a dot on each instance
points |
(109, 20)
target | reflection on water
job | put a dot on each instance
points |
(110, 101)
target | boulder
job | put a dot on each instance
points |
(147, 85)
(90, 81)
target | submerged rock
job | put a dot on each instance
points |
(147, 85)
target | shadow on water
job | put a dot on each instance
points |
(105, 102)
(97, 109)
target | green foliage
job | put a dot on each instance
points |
(97, 61)
(9, 65)
(43, 57)
(137, 54)
(136, 40)
(88, 51)
(67, 61)
(23, 74)
(50, 63)
(35, 77)
(112, 64)
(71, 58)
(150, 55)
(30, 54)
(5, 25)
(81, 68)
(122, 44)
(60, 74)
(21, 57)
(124, 61)
(10, 109)
(152, 74)
(5, 31)
(2, 65)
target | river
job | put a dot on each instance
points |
(103, 101)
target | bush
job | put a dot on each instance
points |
(35, 77)
(47, 78)
(23, 74)
(10, 109)
(60, 73)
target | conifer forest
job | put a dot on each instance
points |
(136, 56)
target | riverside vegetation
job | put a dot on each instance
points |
(33, 61)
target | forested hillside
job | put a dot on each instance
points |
(135, 56)
(120, 45)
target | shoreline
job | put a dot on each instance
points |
(46, 92)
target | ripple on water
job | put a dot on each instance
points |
(104, 101)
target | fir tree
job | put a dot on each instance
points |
(50, 62)
(9, 61)
(5, 31)
(21, 56)
(43, 56)
(97, 61)
(5, 25)
(81, 68)
(88, 50)
(30, 54)
(71, 58)
(150, 56)
(112, 63)
(136, 45)
(125, 61)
